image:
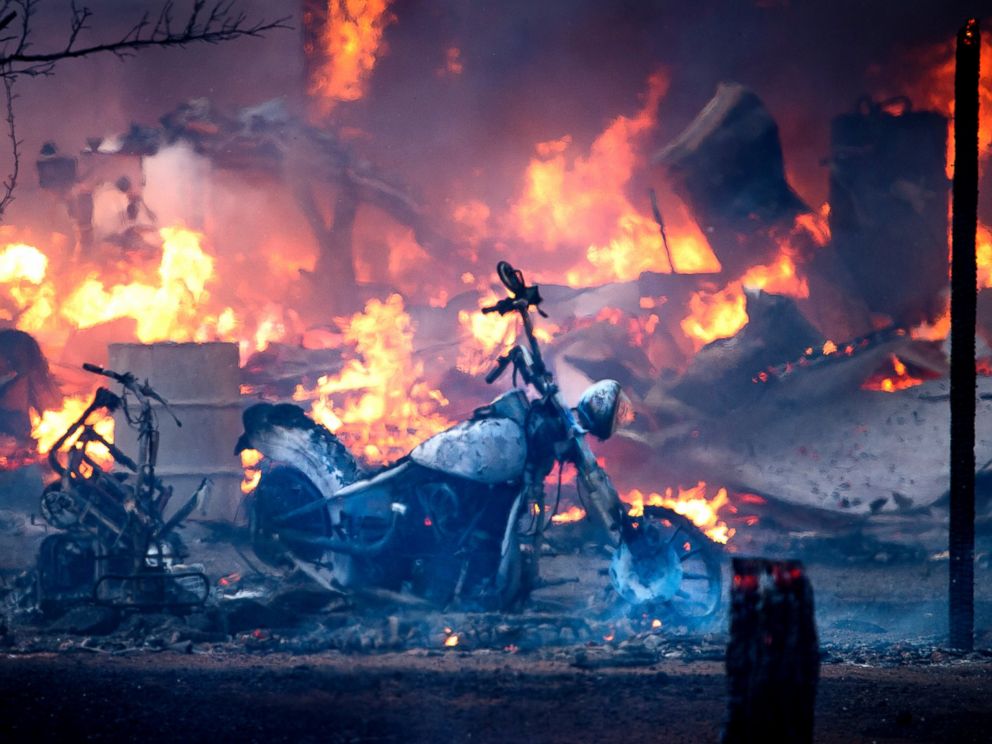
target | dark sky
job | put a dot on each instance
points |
(533, 71)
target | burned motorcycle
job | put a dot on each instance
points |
(116, 547)
(460, 520)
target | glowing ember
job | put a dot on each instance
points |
(378, 404)
(453, 64)
(572, 514)
(229, 580)
(689, 502)
(350, 42)
(895, 378)
(450, 638)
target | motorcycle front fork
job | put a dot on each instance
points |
(520, 552)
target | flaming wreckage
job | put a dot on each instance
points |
(765, 408)
(457, 523)
(460, 520)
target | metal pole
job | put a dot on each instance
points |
(963, 308)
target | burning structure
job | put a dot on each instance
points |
(761, 265)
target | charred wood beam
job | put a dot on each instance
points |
(963, 311)
(727, 166)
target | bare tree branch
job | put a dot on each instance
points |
(219, 22)
(7, 20)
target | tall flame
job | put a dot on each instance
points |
(582, 201)
(163, 311)
(379, 403)
(351, 40)
(722, 313)
(933, 89)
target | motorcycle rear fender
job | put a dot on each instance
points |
(284, 434)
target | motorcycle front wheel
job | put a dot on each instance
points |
(667, 566)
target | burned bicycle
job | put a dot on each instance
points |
(115, 545)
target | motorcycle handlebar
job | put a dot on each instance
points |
(506, 305)
(98, 370)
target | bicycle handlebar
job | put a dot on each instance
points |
(130, 382)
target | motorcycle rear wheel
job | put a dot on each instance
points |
(666, 566)
(282, 490)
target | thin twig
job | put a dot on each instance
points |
(10, 183)
(220, 23)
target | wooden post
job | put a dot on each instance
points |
(773, 658)
(963, 309)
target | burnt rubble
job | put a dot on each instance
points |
(878, 603)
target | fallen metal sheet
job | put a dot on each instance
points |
(863, 453)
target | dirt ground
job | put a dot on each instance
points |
(452, 697)
(881, 614)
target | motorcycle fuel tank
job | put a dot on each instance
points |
(487, 451)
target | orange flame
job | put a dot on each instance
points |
(20, 262)
(351, 40)
(385, 406)
(47, 427)
(934, 90)
(689, 502)
(183, 274)
(983, 250)
(723, 313)
(250, 460)
(572, 514)
(582, 202)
